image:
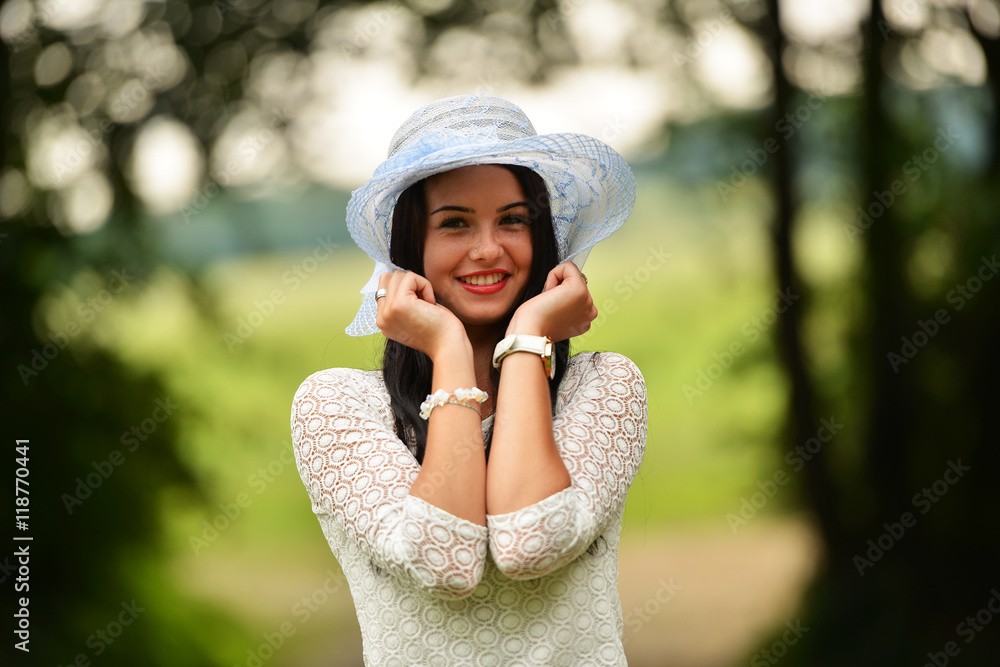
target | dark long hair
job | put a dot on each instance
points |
(408, 372)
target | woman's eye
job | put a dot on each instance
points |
(453, 222)
(515, 220)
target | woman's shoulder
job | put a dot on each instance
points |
(594, 369)
(613, 362)
(335, 383)
(335, 375)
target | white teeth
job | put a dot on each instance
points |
(483, 279)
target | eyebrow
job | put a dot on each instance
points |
(463, 209)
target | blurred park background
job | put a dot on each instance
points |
(806, 283)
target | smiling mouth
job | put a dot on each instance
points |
(484, 278)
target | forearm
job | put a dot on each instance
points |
(525, 466)
(452, 476)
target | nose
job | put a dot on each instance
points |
(486, 246)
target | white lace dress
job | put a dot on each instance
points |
(534, 587)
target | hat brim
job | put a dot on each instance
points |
(591, 190)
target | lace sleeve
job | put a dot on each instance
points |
(358, 471)
(600, 430)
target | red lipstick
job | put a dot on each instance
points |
(485, 289)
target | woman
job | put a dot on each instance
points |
(473, 489)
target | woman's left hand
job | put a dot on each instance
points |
(564, 308)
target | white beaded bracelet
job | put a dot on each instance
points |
(459, 397)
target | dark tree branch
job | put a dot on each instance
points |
(803, 420)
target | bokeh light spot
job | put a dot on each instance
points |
(15, 193)
(166, 165)
(53, 65)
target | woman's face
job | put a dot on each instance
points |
(477, 252)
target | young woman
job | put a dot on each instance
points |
(473, 489)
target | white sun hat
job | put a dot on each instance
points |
(591, 188)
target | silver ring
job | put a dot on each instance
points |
(379, 293)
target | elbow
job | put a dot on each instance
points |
(440, 554)
(521, 571)
(450, 577)
(522, 562)
(538, 540)
(455, 584)
(450, 591)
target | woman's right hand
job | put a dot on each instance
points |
(409, 314)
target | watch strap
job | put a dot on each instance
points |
(540, 345)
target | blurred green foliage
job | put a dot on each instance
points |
(204, 525)
(703, 455)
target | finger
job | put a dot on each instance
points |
(563, 272)
(554, 279)
(400, 282)
(570, 269)
(424, 289)
(383, 280)
(394, 287)
(410, 282)
(382, 291)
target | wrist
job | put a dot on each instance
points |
(451, 345)
(525, 326)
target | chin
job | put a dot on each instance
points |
(482, 314)
(484, 317)
(482, 320)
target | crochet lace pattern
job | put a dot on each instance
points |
(533, 587)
